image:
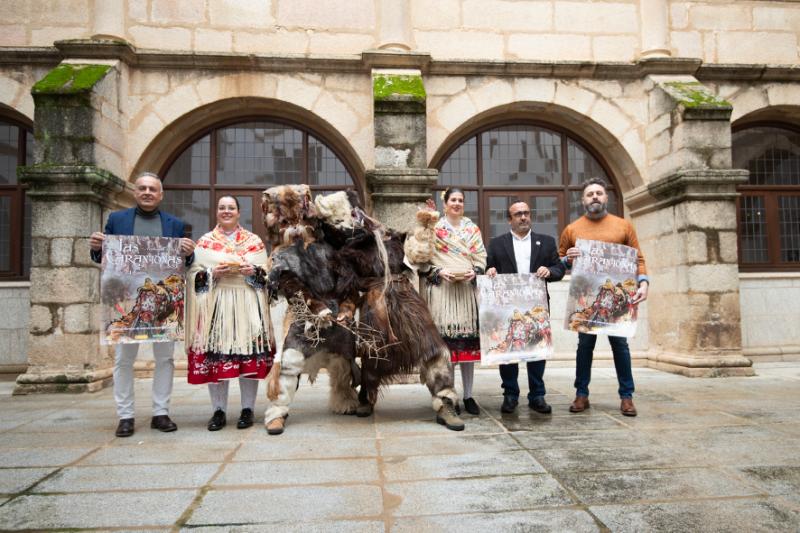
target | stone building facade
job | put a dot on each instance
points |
(396, 98)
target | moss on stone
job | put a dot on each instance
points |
(70, 79)
(385, 86)
(695, 94)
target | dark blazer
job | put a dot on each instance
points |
(121, 223)
(543, 253)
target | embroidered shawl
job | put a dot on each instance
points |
(228, 315)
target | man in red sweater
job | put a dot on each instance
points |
(598, 225)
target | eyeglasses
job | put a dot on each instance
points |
(520, 214)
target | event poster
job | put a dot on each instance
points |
(141, 290)
(602, 288)
(514, 319)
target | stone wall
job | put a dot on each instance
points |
(611, 30)
(770, 305)
(15, 302)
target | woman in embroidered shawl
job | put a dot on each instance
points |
(458, 257)
(227, 323)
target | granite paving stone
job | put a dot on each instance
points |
(129, 477)
(327, 526)
(13, 480)
(101, 510)
(590, 459)
(711, 516)
(10, 457)
(302, 472)
(401, 468)
(163, 453)
(555, 520)
(448, 443)
(774, 479)
(287, 505)
(261, 447)
(19, 438)
(663, 484)
(493, 494)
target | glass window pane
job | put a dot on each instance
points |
(753, 230)
(582, 165)
(192, 207)
(545, 215)
(192, 166)
(324, 168)
(461, 168)
(259, 153)
(772, 155)
(5, 233)
(521, 156)
(9, 141)
(789, 220)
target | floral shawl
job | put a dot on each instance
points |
(229, 315)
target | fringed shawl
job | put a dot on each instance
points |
(453, 305)
(231, 316)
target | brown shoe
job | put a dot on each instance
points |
(579, 404)
(276, 425)
(627, 407)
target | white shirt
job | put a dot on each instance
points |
(522, 252)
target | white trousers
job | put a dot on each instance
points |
(219, 393)
(162, 378)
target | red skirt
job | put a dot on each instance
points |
(213, 368)
(464, 349)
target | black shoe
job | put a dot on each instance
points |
(124, 428)
(163, 423)
(471, 406)
(245, 419)
(540, 406)
(217, 421)
(509, 404)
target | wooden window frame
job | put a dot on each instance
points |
(18, 199)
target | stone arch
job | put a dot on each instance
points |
(10, 113)
(183, 131)
(606, 144)
(786, 114)
(16, 100)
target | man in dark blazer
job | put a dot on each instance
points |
(521, 251)
(145, 219)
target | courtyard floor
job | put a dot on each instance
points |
(703, 455)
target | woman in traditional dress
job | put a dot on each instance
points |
(227, 322)
(458, 257)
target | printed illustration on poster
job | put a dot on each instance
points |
(141, 290)
(601, 290)
(514, 319)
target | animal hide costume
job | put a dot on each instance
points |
(352, 262)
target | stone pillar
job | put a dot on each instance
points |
(654, 28)
(395, 28)
(68, 191)
(109, 19)
(686, 220)
(401, 180)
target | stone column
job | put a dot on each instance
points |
(109, 19)
(395, 27)
(68, 191)
(686, 220)
(401, 180)
(654, 28)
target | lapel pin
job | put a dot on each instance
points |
(538, 243)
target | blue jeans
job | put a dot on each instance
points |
(622, 362)
(510, 372)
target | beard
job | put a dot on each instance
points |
(596, 210)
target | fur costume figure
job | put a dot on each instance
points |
(419, 245)
(351, 260)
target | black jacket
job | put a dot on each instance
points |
(543, 253)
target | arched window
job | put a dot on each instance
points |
(769, 205)
(242, 159)
(537, 164)
(16, 149)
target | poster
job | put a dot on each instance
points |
(141, 290)
(601, 290)
(514, 319)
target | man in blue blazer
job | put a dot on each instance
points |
(145, 219)
(521, 251)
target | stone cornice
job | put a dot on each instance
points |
(685, 186)
(369, 59)
(72, 183)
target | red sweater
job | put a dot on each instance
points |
(610, 228)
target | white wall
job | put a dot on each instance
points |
(15, 305)
(770, 308)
